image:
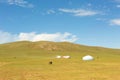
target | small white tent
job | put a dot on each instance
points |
(58, 57)
(87, 58)
(66, 57)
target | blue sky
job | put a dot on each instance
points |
(87, 22)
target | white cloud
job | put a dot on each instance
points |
(32, 36)
(50, 11)
(115, 22)
(79, 12)
(6, 37)
(118, 6)
(21, 3)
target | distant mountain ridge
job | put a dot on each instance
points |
(53, 46)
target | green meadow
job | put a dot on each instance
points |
(30, 61)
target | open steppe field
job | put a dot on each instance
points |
(33, 64)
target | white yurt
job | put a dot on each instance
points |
(87, 58)
(66, 57)
(58, 57)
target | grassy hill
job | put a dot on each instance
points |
(26, 60)
(54, 46)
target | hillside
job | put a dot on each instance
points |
(53, 46)
(44, 48)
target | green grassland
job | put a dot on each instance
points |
(30, 61)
